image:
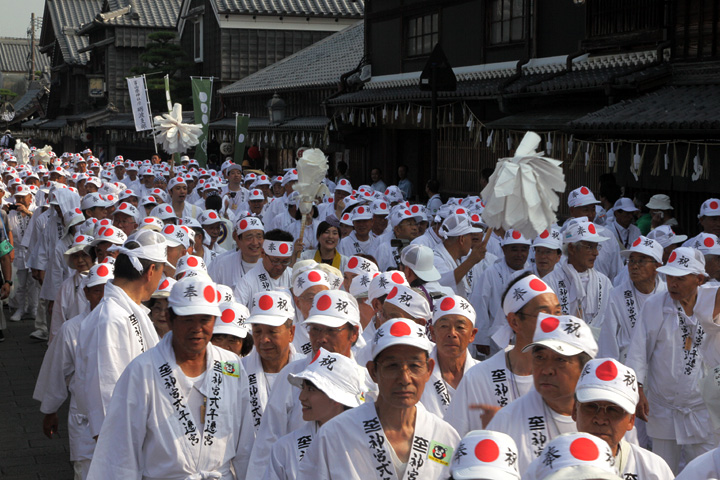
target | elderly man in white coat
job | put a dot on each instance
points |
(119, 329)
(455, 257)
(181, 409)
(561, 347)
(668, 348)
(233, 265)
(271, 273)
(394, 436)
(607, 396)
(582, 289)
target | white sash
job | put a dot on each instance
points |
(692, 355)
(257, 387)
(536, 423)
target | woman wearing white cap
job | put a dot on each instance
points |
(328, 386)
(180, 410)
(26, 291)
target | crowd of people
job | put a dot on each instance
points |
(204, 328)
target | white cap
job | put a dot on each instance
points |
(659, 202)
(399, 215)
(574, 456)
(195, 296)
(607, 380)
(149, 200)
(209, 217)
(583, 231)
(394, 194)
(580, 197)
(256, 195)
(333, 374)
(307, 279)
(127, 193)
(346, 219)
(456, 225)
(232, 320)
(666, 236)
(485, 454)
(98, 275)
(226, 293)
(152, 223)
(344, 186)
(400, 331)
(380, 207)
(164, 287)
(549, 238)
(360, 265)
(383, 283)
(625, 204)
(707, 243)
(79, 243)
(362, 213)
(177, 235)
(684, 261)
(190, 266)
(360, 285)
(646, 246)
(514, 237)
(522, 291)
(109, 234)
(94, 199)
(420, 259)
(334, 308)
(710, 208)
(248, 223)
(409, 301)
(453, 305)
(564, 334)
(175, 181)
(129, 210)
(271, 308)
(163, 212)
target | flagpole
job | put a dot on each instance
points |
(147, 96)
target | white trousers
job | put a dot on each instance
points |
(26, 292)
(672, 453)
(81, 469)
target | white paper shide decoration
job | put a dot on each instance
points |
(523, 192)
(173, 135)
(312, 168)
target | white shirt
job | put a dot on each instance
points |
(229, 268)
(259, 280)
(438, 394)
(288, 452)
(69, 302)
(350, 245)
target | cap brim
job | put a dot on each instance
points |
(557, 346)
(197, 310)
(598, 394)
(425, 345)
(678, 239)
(271, 320)
(483, 472)
(676, 272)
(327, 320)
(328, 388)
(428, 275)
(229, 329)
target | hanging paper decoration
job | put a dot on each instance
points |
(697, 167)
(587, 155)
(611, 155)
(667, 156)
(174, 135)
(570, 145)
(490, 138)
(548, 144)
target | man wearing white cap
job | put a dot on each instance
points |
(484, 454)
(667, 350)
(582, 290)
(547, 251)
(667, 238)
(361, 238)
(394, 436)
(607, 395)
(178, 189)
(456, 257)
(582, 203)
(507, 375)
(709, 245)
(328, 386)
(661, 211)
(119, 329)
(404, 230)
(708, 218)
(627, 300)
(406, 302)
(561, 347)
(271, 272)
(452, 329)
(230, 267)
(622, 226)
(180, 410)
(26, 291)
(419, 269)
(574, 456)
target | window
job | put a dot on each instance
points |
(506, 21)
(198, 39)
(422, 34)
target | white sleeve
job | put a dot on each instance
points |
(243, 292)
(246, 438)
(51, 387)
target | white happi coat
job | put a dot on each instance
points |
(446, 265)
(229, 268)
(635, 463)
(350, 245)
(438, 394)
(111, 336)
(151, 432)
(259, 280)
(706, 466)
(69, 302)
(670, 374)
(620, 318)
(258, 387)
(288, 452)
(529, 421)
(387, 256)
(490, 382)
(429, 239)
(56, 377)
(353, 446)
(589, 303)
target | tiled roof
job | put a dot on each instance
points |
(312, 8)
(66, 17)
(14, 55)
(318, 65)
(141, 13)
(258, 123)
(30, 102)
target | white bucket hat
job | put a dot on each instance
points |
(659, 202)
(333, 374)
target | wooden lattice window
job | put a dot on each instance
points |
(422, 34)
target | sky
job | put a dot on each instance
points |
(16, 16)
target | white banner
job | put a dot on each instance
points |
(140, 105)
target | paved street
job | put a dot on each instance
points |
(25, 453)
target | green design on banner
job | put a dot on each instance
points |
(241, 130)
(202, 100)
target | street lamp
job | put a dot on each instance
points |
(276, 109)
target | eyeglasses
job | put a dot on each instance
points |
(325, 331)
(613, 412)
(640, 262)
(284, 263)
(590, 246)
(392, 370)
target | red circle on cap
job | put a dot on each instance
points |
(606, 371)
(346, 216)
(102, 271)
(515, 234)
(487, 451)
(79, 239)
(407, 212)
(212, 215)
(192, 262)
(549, 324)
(392, 293)
(228, 315)
(77, 210)
(109, 232)
(475, 218)
(353, 262)
(460, 211)
(162, 286)
(123, 206)
(414, 209)
(266, 302)
(219, 296)
(714, 205)
(361, 210)
(169, 209)
(209, 293)
(537, 285)
(636, 242)
(324, 302)
(397, 278)
(170, 229)
(256, 192)
(314, 276)
(545, 234)
(709, 242)
(584, 449)
(179, 179)
(243, 225)
(283, 248)
(111, 198)
(317, 355)
(100, 232)
(584, 190)
(672, 258)
(383, 206)
(400, 329)
(149, 220)
(448, 303)
(591, 229)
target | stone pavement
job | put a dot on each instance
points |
(25, 452)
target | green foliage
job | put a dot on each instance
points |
(6, 94)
